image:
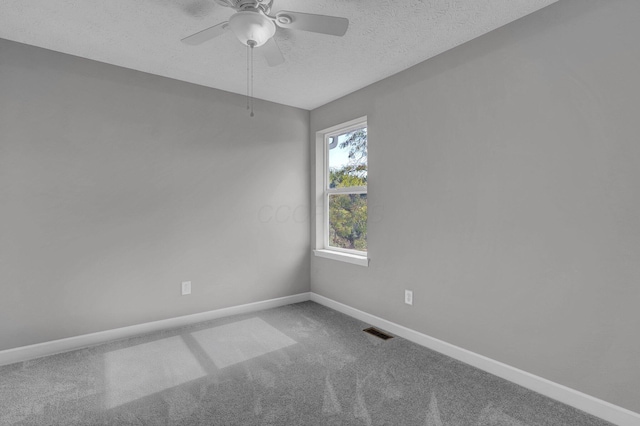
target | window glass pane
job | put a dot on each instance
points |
(348, 159)
(348, 221)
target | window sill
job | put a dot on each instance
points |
(343, 257)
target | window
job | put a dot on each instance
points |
(344, 192)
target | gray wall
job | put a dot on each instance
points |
(505, 188)
(116, 186)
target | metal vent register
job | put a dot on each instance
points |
(378, 333)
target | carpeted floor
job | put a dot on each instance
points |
(301, 364)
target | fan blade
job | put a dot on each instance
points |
(272, 53)
(323, 24)
(206, 34)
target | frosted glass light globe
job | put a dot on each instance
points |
(252, 26)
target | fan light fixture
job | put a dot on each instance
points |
(252, 27)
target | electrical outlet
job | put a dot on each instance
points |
(408, 297)
(186, 288)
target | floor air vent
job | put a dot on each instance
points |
(378, 333)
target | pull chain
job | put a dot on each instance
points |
(248, 74)
(251, 95)
(250, 45)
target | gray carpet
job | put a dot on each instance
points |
(301, 364)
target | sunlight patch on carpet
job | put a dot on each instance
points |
(240, 341)
(141, 370)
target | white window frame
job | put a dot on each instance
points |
(323, 192)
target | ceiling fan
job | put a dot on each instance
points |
(253, 25)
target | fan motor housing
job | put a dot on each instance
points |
(263, 5)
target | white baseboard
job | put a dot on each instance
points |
(589, 404)
(26, 353)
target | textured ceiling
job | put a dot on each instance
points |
(384, 37)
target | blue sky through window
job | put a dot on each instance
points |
(339, 157)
